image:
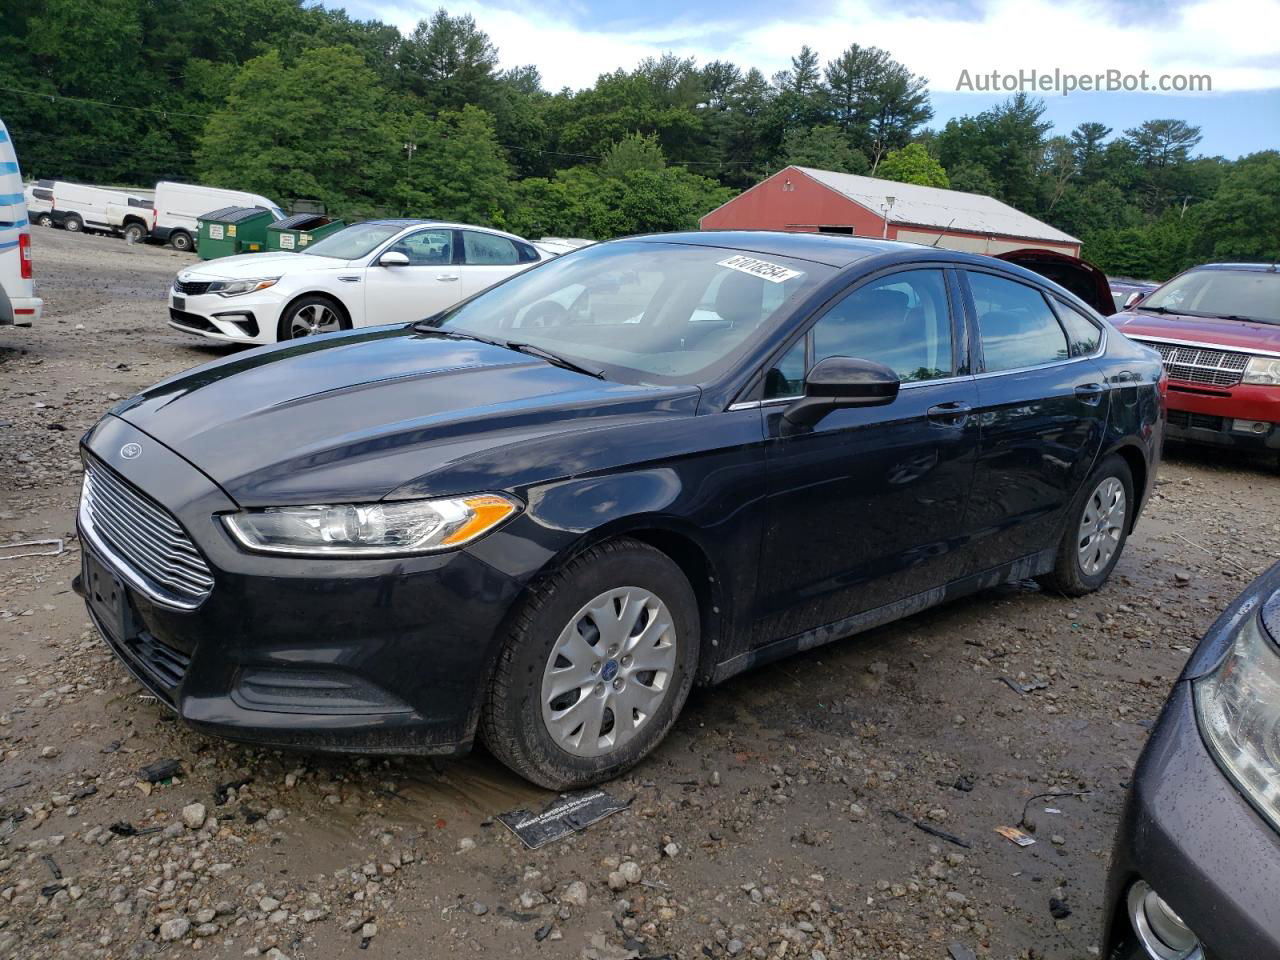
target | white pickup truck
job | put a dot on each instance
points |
(80, 207)
(18, 303)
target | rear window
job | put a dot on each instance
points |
(1017, 327)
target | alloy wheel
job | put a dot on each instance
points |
(312, 319)
(1101, 526)
(609, 672)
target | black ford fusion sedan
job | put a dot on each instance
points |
(545, 513)
(1196, 864)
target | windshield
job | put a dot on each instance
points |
(1244, 294)
(355, 241)
(642, 311)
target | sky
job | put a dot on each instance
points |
(1235, 43)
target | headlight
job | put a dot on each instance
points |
(234, 288)
(1262, 370)
(371, 529)
(1238, 706)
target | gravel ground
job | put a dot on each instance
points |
(784, 817)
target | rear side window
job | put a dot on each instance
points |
(488, 250)
(1015, 324)
(1083, 334)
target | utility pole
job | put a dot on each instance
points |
(886, 207)
(410, 149)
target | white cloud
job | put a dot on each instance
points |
(1236, 42)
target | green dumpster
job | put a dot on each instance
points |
(233, 230)
(300, 230)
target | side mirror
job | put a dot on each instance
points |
(1133, 299)
(840, 382)
(393, 258)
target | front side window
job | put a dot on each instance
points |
(901, 321)
(488, 250)
(1015, 324)
(426, 248)
(644, 311)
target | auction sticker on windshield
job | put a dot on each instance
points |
(773, 272)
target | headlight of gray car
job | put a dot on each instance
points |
(1238, 707)
(371, 529)
(234, 288)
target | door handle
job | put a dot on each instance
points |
(952, 414)
(1090, 393)
(445, 278)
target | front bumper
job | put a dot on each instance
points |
(1226, 417)
(1194, 838)
(371, 655)
(252, 318)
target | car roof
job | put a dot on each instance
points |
(833, 250)
(1254, 267)
(406, 222)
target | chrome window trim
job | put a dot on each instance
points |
(987, 374)
(775, 401)
(1220, 347)
(122, 568)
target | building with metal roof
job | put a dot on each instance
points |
(806, 200)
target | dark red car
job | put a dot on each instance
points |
(1217, 328)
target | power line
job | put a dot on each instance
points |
(103, 103)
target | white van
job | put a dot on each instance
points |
(18, 303)
(179, 205)
(39, 197)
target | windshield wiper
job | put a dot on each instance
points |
(1153, 309)
(453, 335)
(553, 358)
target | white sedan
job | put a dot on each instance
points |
(380, 271)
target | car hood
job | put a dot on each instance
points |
(354, 416)
(1238, 334)
(251, 265)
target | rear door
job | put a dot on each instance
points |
(1043, 407)
(429, 283)
(868, 508)
(488, 258)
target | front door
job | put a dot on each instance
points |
(1043, 406)
(868, 508)
(429, 283)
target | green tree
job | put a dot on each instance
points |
(972, 178)
(824, 147)
(1242, 221)
(636, 152)
(449, 62)
(912, 164)
(1008, 140)
(317, 130)
(459, 172)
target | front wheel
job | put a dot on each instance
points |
(597, 665)
(311, 316)
(1097, 529)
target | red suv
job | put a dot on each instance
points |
(1217, 328)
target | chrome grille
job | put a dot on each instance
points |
(143, 534)
(1191, 364)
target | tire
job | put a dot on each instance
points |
(73, 224)
(1097, 529)
(134, 233)
(182, 241)
(311, 315)
(44, 220)
(557, 630)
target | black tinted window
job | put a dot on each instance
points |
(1083, 334)
(786, 377)
(900, 320)
(1016, 325)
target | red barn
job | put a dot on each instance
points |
(805, 200)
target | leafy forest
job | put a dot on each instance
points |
(301, 102)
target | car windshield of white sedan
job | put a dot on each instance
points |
(659, 311)
(1240, 294)
(354, 242)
